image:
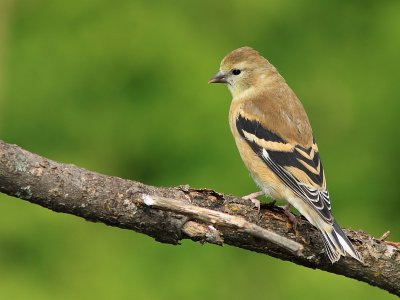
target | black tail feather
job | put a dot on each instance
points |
(337, 244)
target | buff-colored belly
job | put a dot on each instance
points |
(269, 183)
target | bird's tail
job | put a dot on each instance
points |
(337, 244)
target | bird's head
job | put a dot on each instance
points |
(242, 69)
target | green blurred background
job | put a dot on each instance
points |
(120, 87)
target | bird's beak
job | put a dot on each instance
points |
(218, 77)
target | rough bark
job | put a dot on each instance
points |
(172, 214)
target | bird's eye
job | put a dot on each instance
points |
(236, 71)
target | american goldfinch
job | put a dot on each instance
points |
(275, 140)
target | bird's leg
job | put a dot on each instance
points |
(253, 198)
(291, 217)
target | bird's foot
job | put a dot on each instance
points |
(291, 217)
(253, 198)
(253, 195)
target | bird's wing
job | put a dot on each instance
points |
(298, 167)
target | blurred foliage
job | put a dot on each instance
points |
(120, 87)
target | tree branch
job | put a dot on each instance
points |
(221, 219)
(172, 214)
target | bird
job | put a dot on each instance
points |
(276, 143)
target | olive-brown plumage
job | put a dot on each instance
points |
(275, 141)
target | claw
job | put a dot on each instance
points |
(253, 198)
(291, 217)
